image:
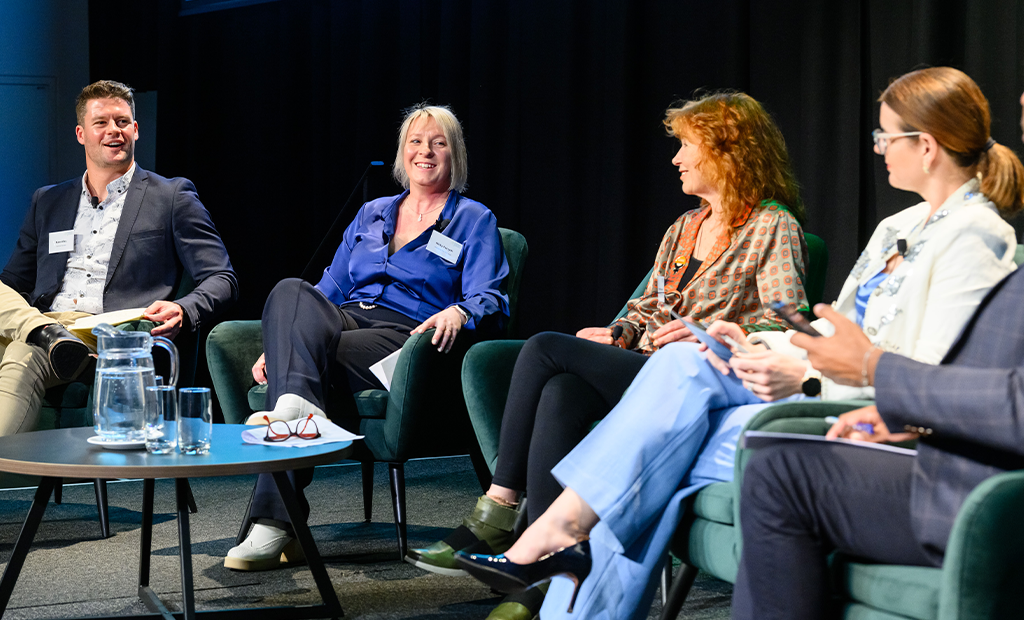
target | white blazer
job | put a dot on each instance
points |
(951, 262)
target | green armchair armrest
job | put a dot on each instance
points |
(982, 570)
(231, 349)
(486, 379)
(424, 414)
(980, 574)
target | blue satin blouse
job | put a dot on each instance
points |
(413, 281)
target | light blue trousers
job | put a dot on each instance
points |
(674, 431)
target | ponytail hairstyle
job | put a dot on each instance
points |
(947, 104)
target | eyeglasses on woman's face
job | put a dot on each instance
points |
(882, 139)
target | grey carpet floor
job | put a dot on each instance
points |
(70, 572)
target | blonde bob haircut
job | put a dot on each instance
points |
(452, 130)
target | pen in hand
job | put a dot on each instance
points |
(863, 427)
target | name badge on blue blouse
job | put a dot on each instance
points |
(444, 246)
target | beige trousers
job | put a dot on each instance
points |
(25, 372)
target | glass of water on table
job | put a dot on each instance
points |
(161, 418)
(195, 420)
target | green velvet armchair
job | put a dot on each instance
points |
(423, 415)
(487, 369)
(979, 579)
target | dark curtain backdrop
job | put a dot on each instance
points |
(274, 111)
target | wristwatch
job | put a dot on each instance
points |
(465, 315)
(811, 385)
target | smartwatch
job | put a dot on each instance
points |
(462, 311)
(811, 385)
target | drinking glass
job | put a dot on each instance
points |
(195, 420)
(161, 419)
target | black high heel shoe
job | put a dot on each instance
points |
(506, 576)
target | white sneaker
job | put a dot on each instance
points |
(288, 407)
(265, 547)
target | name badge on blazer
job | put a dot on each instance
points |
(444, 246)
(63, 241)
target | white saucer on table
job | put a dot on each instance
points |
(96, 440)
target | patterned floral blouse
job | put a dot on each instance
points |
(765, 259)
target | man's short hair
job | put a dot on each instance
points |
(104, 89)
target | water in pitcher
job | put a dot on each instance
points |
(121, 400)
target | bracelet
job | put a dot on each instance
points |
(864, 367)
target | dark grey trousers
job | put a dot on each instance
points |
(801, 502)
(309, 342)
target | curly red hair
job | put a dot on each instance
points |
(743, 153)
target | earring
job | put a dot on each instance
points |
(926, 171)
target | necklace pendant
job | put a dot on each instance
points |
(420, 218)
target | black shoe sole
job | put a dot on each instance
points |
(68, 358)
(497, 579)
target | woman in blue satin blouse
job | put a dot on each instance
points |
(428, 258)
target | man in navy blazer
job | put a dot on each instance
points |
(801, 502)
(118, 237)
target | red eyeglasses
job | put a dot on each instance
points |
(279, 430)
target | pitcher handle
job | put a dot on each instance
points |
(160, 341)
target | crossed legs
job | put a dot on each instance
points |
(25, 372)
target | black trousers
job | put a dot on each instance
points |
(802, 502)
(561, 385)
(307, 339)
(311, 343)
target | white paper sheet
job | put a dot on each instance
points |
(329, 433)
(385, 369)
(760, 439)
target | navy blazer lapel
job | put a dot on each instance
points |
(51, 269)
(129, 213)
(67, 210)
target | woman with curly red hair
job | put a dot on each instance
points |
(726, 260)
(675, 430)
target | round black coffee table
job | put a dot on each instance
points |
(64, 453)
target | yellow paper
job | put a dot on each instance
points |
(83, 326)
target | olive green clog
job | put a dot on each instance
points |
(488, 529)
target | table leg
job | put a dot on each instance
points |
(305, 538)
(28, 532)
(188, 599)
(146, 593)
(100, 486)
(146, 541)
